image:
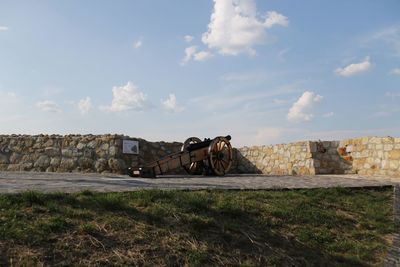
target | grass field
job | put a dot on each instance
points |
(318, 227)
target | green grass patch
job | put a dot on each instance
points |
(318, 227)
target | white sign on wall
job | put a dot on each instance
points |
(130, 147)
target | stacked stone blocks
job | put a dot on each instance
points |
(365, 156)
(74, 153)
(282, 159)
(103, 153)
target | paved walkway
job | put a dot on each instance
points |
(11, 182)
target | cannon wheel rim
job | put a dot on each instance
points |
(220, 155)
(194, 167)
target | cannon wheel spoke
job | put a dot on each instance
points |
(220, 154)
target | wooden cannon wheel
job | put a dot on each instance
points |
(220, 155)
(194, 167)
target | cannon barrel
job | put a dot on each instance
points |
(203, 144)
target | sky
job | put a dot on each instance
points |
(263, 71)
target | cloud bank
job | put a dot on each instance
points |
(235, 27)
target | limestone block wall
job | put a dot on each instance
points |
(282, 159)
(71, 153)
(372, 155)
(365, 156)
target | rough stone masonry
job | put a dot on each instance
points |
(103, 153)
(76, 153)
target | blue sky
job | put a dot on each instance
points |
(265, 72)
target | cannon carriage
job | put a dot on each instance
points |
(208, 157)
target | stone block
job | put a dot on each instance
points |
(81, 145)
(394, 164)
(13, 167)
(27, 166)
(42, 162)
(388, 140)
(101, 165)
(92, 144)
(365, 153)
(55, 162)
(116, 165)
(388, 147)
(88, 153)
(67, 164)
(375, 140)
(364, 140)
(379, 147)
(394, 154)
(15, 158)
(385, 164)
(52, 151)
(85, 163)
(4, 159)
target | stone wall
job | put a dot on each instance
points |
(365, 156)
(103, 153)
(73, 153)
(372, 155)
(283, 159)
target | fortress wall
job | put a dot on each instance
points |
(75, 153)
(365, 156)
(282, 159)
(103, 153)
(373, 155)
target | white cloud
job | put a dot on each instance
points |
(302, 108)
(171, 105)
(202, 55)
(138, 43)
(235, 27)
(355, 68)
(192, 53)
(189, 53)
(395, 71)
(126, 97)
(3, 28)
(188, 38)
(48, 106)
(274, 18)
(85, 105)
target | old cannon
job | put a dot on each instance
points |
(208, 157)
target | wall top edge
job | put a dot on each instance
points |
(316, 141)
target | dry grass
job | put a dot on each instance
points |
(321, 227)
